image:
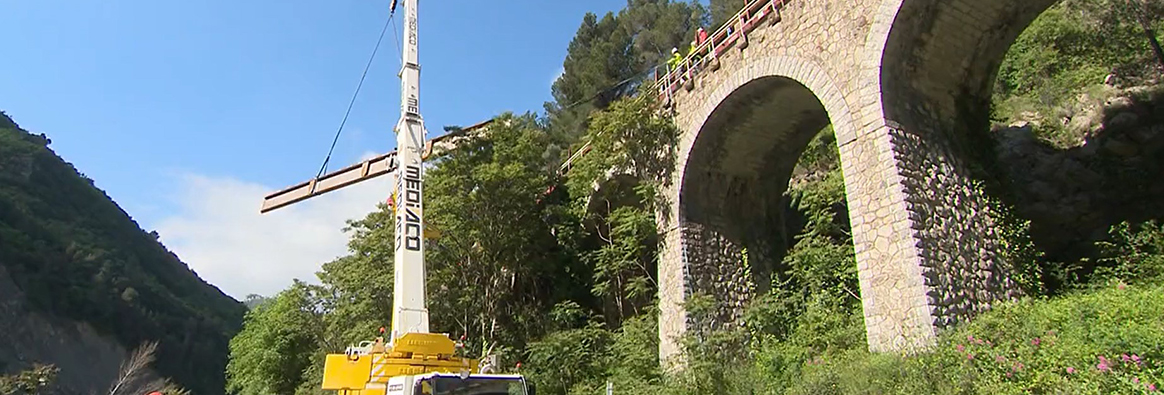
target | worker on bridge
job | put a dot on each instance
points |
(693, 57)
(676, 58)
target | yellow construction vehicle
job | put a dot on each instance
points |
(418, 363)
(411, 361)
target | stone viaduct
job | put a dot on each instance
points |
(906, 85)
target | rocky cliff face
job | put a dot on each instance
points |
(86, 359)
(1113, 173)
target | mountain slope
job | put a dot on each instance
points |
(75, 254)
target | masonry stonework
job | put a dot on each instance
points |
(903, 82)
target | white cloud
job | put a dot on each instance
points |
(218, 231)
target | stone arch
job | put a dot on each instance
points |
(737, 151)
(928, 70)
(939, 58)
(809, 74)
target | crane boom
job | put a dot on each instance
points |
(412, 361)
(409, 313)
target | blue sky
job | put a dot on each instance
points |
(187, 112)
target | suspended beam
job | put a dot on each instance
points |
(357, 173)
(367, 170)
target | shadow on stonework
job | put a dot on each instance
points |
(1113, 174)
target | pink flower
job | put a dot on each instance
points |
(969, 356)
(1009, 374)
(1070, 370)
(1018, 366)
(1102, 365)
(1151, 387)
(1000, 359)
(960, 348)
(1035, 341)
(1121, 286)
(1136, 380)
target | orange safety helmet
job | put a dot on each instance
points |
(155, 393)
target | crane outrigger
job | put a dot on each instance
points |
(411, 361)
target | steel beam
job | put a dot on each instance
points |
(366, 170)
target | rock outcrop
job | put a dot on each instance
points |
(86, 359)
(1112, 174)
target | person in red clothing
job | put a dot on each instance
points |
(700, 36)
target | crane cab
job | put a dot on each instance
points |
(417, 364)
(455, 384)
(449, 384)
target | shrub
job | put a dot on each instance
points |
(1108, 341)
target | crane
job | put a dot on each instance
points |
(412, 361)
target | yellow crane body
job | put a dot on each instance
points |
(366, 371)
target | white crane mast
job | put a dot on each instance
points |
(409, 312)
(420, 357)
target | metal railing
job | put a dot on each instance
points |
(706, 54)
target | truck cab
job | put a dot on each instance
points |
(459, 384)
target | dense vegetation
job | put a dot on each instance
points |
(1064, 57)
(573, 276)
(76, 254)
(534, 267)
(539, 269)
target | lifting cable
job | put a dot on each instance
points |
(391, 18)
(610, 88)
(392, 22)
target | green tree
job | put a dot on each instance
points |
(582, 360)
(285, 339)
(356, 289)
(632, 137)
(596, 59)
(722, 10)
(610, 58)
(496, 267)
(1077, 43)
(253, 300)
(1111, 16)
(276, 344)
